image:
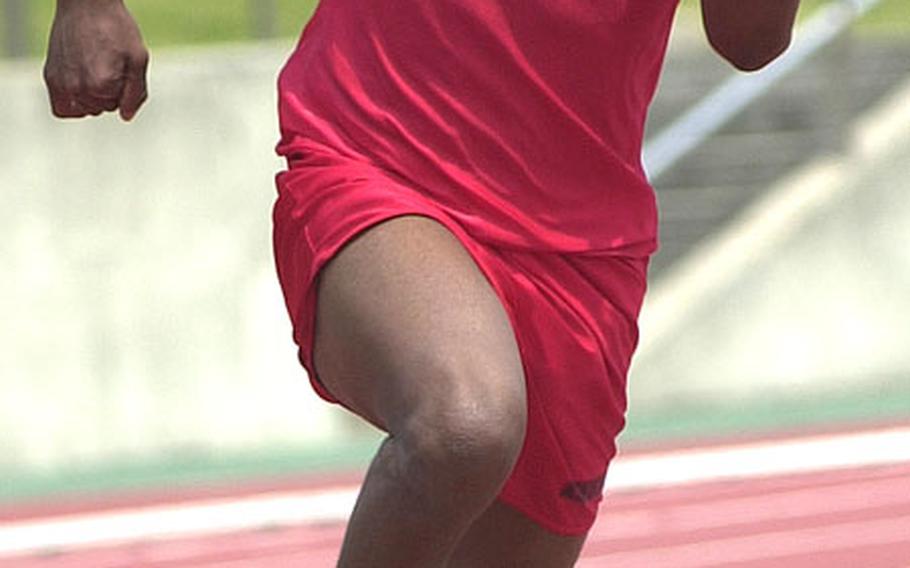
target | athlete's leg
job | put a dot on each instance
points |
(504, 538)
(411, 336)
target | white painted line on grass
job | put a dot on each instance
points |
(211, 517)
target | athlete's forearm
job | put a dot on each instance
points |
(749, 33)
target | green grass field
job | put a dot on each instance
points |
(178, 22)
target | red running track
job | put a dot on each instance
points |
(856, 518)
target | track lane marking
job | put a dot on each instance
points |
(850, 497)
(663, 469)
(761, 459)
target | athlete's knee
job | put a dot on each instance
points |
(461, 451)
(473, 434)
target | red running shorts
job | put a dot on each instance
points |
(574, 316)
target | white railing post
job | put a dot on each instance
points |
(264, 18)
(15, 18)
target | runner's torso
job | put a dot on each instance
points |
(522, 118)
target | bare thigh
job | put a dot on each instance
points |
(408, 328)
(504, 538)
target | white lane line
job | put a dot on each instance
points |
(761, 459)
(210, 517)
(822, 503)
(173, 521)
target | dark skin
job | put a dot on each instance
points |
(749, 34)
(453, 409)
(96, 60)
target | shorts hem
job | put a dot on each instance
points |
(544, 521)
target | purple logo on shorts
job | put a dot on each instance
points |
(584, 491)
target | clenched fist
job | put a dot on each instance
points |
(96, 60)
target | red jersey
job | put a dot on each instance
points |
(516, 125)
(523, 119)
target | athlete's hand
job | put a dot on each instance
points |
(96, 60)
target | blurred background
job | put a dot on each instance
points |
(143, 338)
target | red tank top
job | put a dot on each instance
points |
(521, 118)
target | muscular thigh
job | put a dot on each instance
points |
(406, 319)
(504, 538)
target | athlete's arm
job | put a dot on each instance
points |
(96, 60)
(749, 33)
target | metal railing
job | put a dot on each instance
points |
(719, 107)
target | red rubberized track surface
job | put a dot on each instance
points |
(858, 518)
